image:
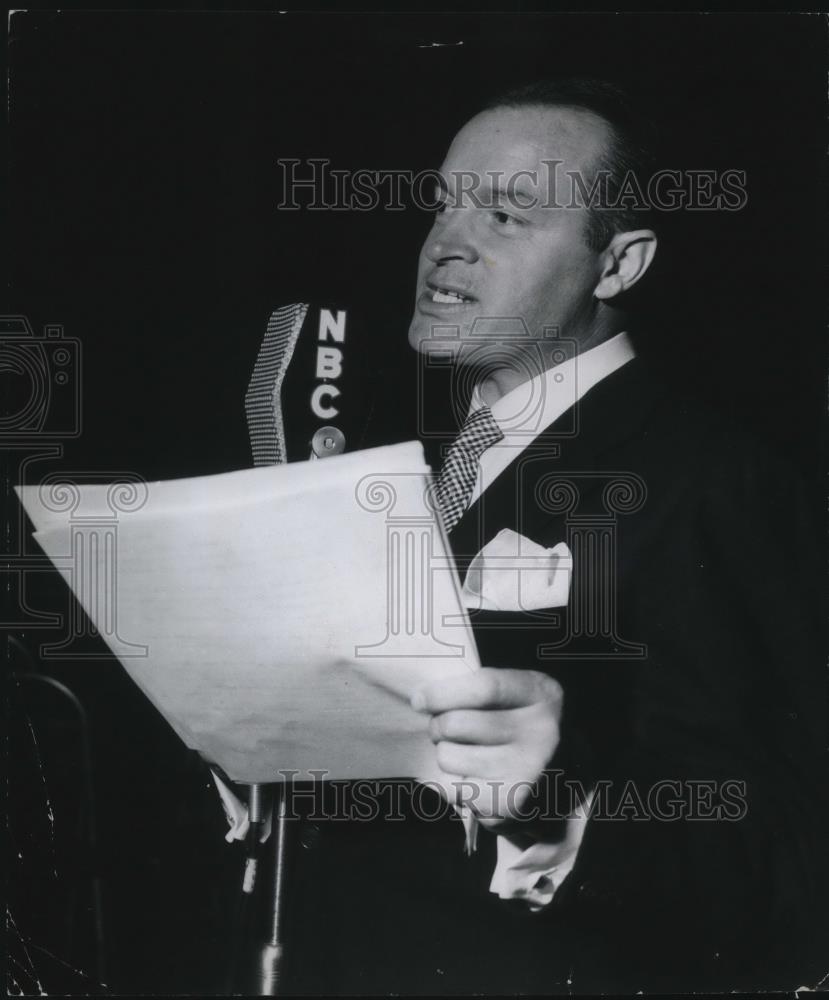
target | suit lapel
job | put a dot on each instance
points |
(578, 442)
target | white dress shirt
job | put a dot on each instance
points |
(535, 873)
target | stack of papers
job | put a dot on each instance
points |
(280, 618)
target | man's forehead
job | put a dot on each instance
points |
(516, 139)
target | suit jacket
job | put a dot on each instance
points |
(689, 657)
(689, 654)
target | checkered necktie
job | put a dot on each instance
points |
(460, 469)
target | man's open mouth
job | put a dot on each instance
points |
(448, 296)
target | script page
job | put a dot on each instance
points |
(279, 618)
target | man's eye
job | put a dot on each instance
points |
(440, 200)
(505, 219)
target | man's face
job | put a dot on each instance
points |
(501, 251)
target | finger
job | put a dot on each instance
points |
(492, 728)
(488, 688)
(490, 763)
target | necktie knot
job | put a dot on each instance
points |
(479, 432)
(460, 470)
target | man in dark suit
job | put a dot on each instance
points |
(676, 689)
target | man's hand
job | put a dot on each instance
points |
(497, 729)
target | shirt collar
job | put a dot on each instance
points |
(531, 407)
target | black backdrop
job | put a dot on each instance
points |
(144, 184)
(142, 210)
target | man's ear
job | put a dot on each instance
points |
(627, 257)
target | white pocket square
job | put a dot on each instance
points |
(513, 573)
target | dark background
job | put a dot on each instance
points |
(143, 186)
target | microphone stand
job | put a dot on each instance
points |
(267, 975)
(270, 968)
(273, 952)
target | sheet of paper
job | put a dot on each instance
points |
(286, 613)
(56, 502)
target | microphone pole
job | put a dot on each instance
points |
(326, 441)
(299, 365)
(271, 965)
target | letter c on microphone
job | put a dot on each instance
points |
(318, 406)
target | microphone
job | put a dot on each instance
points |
(309, 390)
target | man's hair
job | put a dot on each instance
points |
(629, 153)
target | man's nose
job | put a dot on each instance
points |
(450, 239)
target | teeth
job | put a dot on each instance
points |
(450, 298)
